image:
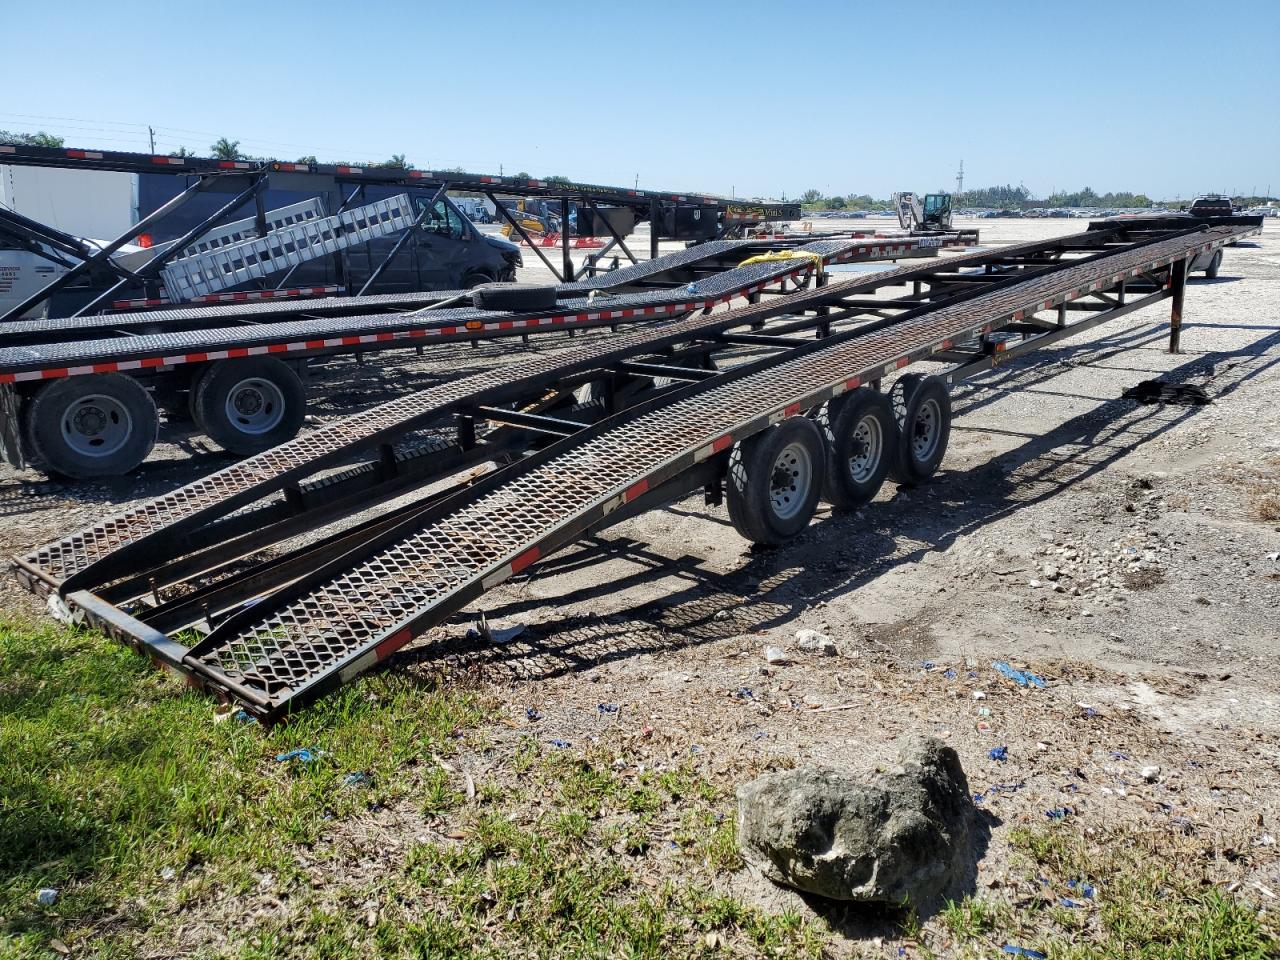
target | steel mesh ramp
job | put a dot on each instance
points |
(54, 565)
(39, 361)
(290, 648)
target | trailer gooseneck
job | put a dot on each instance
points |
(770, 406)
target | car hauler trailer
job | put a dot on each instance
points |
(284, 611)
(78, 395)
(192, 200)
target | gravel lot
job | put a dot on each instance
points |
(1125, 553)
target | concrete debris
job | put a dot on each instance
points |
(891, 837)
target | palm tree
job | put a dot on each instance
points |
(226, 149)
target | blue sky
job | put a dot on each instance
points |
(757, 98)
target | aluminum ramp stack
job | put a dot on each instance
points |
(293, 243)
(324, 624)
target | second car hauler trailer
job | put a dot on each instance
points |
(181, 199)
(81, 396)
(240, 583)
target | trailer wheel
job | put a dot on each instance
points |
(775, 478)
(248, 405)
(473, 280)
(514, 296)
(861, 443)
(922, 411)
(101, 425)
(1211, 271)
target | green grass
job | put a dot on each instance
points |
(113, 774)
(1154, 899)
(120, 789)
(160, 826)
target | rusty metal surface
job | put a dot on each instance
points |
(358, 616)
(254, 477)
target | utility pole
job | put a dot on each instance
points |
(960, 179)
(151, 133)
(637, 181)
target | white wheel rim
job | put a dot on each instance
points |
(255, 406)
(789, 480)
(865, 449)
(96, 425)
(925, 429)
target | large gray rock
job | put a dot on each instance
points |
(889, 837)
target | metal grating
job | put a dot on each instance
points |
(174, 347)
(264, 472)
(358, 616)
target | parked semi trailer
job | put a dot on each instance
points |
(80, 397)
(233, 583)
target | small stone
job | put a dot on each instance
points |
(978, 695)
(813, 641)
(775, 656)
(46, 896)
(1151, 774)
(1051, 572)
(1034, 584)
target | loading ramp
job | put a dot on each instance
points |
(281, 631)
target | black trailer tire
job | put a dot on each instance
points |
(861, 445)
(514, 296)
(775, 479)
(922, 411)
(248, 405)
(100, 425)
(1211, 271)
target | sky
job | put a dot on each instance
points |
(746, 98)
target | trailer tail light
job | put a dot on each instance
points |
(145, 241)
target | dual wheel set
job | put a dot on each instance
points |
(842, 453)
(105, 424)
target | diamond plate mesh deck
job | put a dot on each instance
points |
(282, 650)
(398, 301)
(254, 477)
(180, 346)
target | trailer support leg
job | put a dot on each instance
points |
(564, 240)
(1177, 288)
(654, 214)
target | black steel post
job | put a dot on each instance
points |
(564, 240)
(655, 211)
(1177, 288)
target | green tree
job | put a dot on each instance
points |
(310, 160)
(523, 175)
(182, 152)
(834, 203)
(398, 160)
(226, 149)
(557, 181)
(40, 139)
(811, 196)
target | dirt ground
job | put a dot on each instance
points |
(1127, 554)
